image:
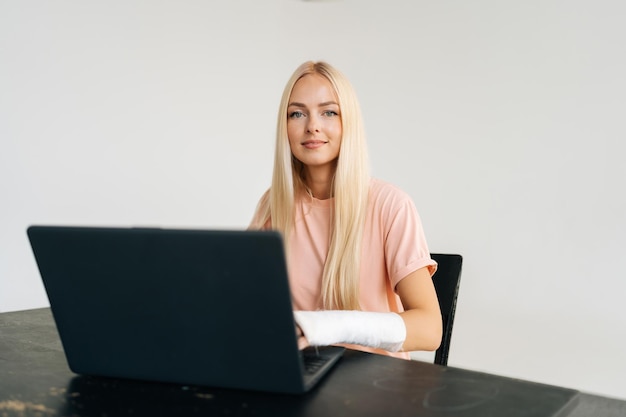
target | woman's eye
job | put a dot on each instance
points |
(330, 113)
(296, 114)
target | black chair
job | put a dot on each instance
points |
(446, 280)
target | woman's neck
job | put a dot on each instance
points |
(320, 182)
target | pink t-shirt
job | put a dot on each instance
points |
(394, 245)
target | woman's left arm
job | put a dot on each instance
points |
(422, 316)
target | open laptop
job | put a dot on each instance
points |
(193, 307)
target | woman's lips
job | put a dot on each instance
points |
(313, 144)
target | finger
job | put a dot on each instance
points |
(302, 342)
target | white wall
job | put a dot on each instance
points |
(504, 120)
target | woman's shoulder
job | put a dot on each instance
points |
(261, 218)
(389, 202)
(385, 191)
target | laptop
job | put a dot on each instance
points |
(192, 307)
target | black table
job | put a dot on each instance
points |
(35, 381)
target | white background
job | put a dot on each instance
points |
(504, 120)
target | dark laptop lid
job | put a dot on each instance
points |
(204, 307)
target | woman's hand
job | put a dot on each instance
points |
(302, 341)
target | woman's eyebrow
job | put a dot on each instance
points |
(324, 104)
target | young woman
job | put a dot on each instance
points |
(359, 266)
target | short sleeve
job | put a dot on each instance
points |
(406, 249)
(258, 222)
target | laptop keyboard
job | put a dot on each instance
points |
(313, 360)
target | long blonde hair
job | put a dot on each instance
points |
(340, 280)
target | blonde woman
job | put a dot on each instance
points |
(359, 266)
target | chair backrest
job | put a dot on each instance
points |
(446, 280)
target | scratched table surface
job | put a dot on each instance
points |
(36, 381)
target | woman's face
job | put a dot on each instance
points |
(314, 122)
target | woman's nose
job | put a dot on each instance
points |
(313, 124)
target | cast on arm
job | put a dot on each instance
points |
(328, 327)
(419, 327)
